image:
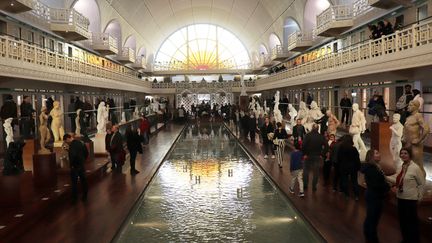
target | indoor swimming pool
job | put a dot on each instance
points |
(209, 190)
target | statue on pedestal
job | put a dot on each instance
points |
(123, 117)
(102, 118)
(313, 115)
(415, 132)
(358, 126)
(7, 125)
(57, 122)
(332, 122)
(396, 139)
(44, 132)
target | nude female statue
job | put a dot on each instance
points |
(7, 125)
(332, 122)
(396, 139)
(44, 132)
(415, 132)
(57, 122)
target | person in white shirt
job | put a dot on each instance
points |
(408, 184)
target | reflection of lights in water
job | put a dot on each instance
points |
(274, 220)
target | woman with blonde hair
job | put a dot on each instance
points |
(376, 191)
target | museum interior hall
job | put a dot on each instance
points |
(215, 121)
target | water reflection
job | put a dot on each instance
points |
(209, 190)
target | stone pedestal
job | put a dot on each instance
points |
(45, 170)
(99, 145)
(244, 103)
(29, 149)
(380, 139)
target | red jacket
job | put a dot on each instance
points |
(145, 125)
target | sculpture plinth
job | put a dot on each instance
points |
(45, 170)
(380, 140)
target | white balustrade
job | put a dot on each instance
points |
(361, 7)
(279, 52)
(333, 14)
(33, 55)
(71, 18)
(126, 55)
(104, 42)
(400, 41)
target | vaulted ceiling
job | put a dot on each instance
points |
(250, 20)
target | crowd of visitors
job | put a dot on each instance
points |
(382, 28)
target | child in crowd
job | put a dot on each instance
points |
(296, 168)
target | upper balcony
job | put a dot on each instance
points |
(126, 56)
(387, 4)
(69, 24)
(17, 6)
(104, 43)
(334, 21)
(265, 60)
(279, 53)
(140, 63)
(300, 41)
(404, 49)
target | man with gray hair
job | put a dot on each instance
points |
(314, 145)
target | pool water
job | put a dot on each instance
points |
(208, 190)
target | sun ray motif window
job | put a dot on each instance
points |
(202, 47)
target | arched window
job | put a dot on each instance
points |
(202, 47)
(114, 29)
(90, 9)
(273, 41)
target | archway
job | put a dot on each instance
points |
(311, 10)
(90, 10)
(274, 41)
(290, 26)
(114, 29)
(131, 43)
(262, 49)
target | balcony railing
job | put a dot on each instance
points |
(193, 85)
(39, 15)
(265, 60)
(140, 63)
(334, 20)
(104, 43)
(361, 7)
(387, 4)
(31, 54)
(127, 55)
(300, 41)
(279, 53)
(401, 41)
(69, 23)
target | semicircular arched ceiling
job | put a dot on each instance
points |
(251, 20)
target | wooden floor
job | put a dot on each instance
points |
(108, 205)
(334, 217)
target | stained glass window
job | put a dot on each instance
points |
(202, 47)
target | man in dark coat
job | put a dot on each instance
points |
(78, 154)
(116, 150)
(314, 146)
(345, 105)
(267, 143)
(26, 120)
(299, 132)
(133, 141)
(9, 109)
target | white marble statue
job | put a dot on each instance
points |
(136, 113)
(358, 126)
(77, 123)
(313, 115)
(102, 118)
(266, 109)
(276, 112)
(396, 139)
(123, 117)
(259, 110)
(243, 86)
(302, 113)
(57, 122)
(292, 113)
(7, 125)
(252, 105)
